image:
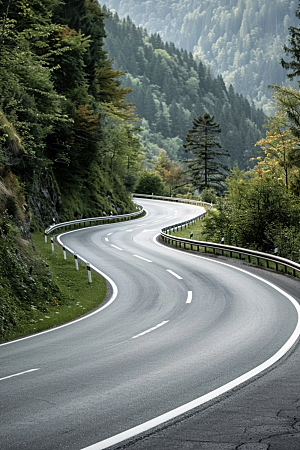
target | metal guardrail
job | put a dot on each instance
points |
(166, 236)
(222, 248)
(91, 220)
(174, 199)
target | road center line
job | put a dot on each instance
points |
(189, 297)
(17, 374)
(114, 246)
(150, 329)
(144, 259)
(174, 274)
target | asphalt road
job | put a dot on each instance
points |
(177, 328)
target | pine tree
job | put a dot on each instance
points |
(293, 51)
(207, 168)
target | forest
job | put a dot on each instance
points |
(241, 40)
(170, 88)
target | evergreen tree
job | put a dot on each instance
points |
(207, 168)
(293, 51)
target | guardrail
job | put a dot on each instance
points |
(231, 250)
(174, 199)
(91, 220)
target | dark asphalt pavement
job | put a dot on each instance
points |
(263, 414)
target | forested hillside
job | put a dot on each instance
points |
(171, 88)
(67, 146)
(241, 39)
(62, 111)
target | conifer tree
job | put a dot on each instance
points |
(293, 51)
(207, 169)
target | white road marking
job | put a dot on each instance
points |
(114, 246)
(95, 269)
(17, 374)
(174, 274)
(150, 329)
(215, 393)
(159, 420)
(128, 230)
(109, 234)
(106, 239)
(189, 297)
(144, 259)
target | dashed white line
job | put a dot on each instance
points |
(144, 259)
(189, 297)
(17, 374)
(174, 274)
(106, 239)
(150, 329)
(114, 246)
(109, 234)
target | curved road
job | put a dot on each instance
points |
(177, 328)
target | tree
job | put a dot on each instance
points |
(150, 183)
(281, 151)
(207, 168)
(172, 174)
(293, 51)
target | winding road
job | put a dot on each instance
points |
(177, 331)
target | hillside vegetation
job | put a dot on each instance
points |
(66, 140)
(242, 40)
(170, 88)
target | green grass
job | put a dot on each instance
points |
(76, 296)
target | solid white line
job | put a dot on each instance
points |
(174, 274)
(189, 297)
(150, 329)
(17, 374)
(217, 392)
(114, 246)
(144, 259)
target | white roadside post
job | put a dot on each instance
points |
(46, 237)
(65, 253)
(52, 244)
(76, 261)
(89, 272)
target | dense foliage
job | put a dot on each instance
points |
(262, 207)
(62, 110)
(171, 88)
(67, 143)
(242, 40)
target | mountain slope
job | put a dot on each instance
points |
(241, 39)
(171, 88)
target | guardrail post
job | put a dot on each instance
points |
(89, 272)
(76, 261)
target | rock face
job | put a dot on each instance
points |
(44, 199)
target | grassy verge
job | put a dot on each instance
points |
(75, 295)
